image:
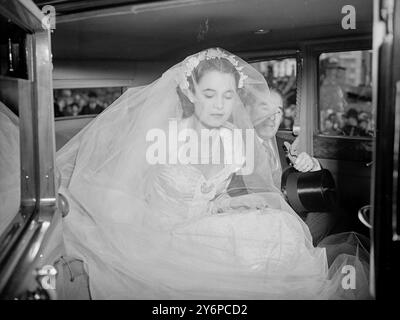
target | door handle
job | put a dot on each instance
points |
(63, 205)
(363, 216)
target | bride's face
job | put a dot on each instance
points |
(214, 98)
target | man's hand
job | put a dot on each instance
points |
(302, 162)
(305, 163)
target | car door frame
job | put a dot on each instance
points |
(385, 210)
(34, 233)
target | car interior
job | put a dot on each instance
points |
(100, 49)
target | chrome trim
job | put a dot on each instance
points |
(8, 265)
(91, 83)
(27, 238)
(356, 138)
(368, 164)
(27, 133)
(63, 205)
(45, 143)
(12, 233)
(19, 275)
(259, 56)
(362, 216)
(377, 40)
(396, 146)
(135, 8)
(76, 117)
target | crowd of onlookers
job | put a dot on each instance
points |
(333, 123)
(344, 96)
(344, 109)
(351, 123)
(344, 101)
(76, 102)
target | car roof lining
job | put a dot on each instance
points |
(172, 29)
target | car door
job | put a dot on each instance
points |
(385, 276)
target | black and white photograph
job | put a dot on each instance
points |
(208, 152)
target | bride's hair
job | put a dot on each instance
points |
(221, 65)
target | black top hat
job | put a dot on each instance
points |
(309, 191)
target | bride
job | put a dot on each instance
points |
(149, 210)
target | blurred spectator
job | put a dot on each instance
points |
(74, 109)
(364, 130)
(69, 100)
(289, 112)
(287, 123)
(351, 128)
(67, 111)
(81, 103)
(363, 116)
(331, 128)
(66, 93)
(116, 96)
(59, 106)
(331, 89)
(93, 107)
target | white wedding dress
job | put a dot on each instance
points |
(147, 232)
(179, 250)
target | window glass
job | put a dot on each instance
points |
(84, 101)
(345, 94)
(10, 191)
(281, 76)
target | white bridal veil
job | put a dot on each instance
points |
(119, 226)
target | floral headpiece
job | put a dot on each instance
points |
(194, 61)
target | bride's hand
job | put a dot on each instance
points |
(220, 205)
(248, 201)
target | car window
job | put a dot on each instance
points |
(10, 176)
(84, 101)
(345, 94)
(281, 76)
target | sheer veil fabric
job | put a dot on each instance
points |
(148, 230)
(10, 191)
